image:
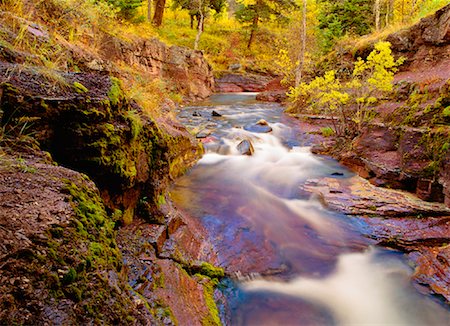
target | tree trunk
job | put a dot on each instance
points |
(301, 54)
(389, 9)
(149, 10)
(377, 15)
(199, 25)
(413, 8)
(159, 12)
(253, 30)
(403, 11)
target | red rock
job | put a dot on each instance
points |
(235, 82)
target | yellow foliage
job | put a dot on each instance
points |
(352, 101)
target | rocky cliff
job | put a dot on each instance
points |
(407, 145)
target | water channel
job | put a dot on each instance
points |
(296, 262)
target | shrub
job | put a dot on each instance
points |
(350, 102)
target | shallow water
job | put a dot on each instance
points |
(296, 262)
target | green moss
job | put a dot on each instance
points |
(162, 311)
(115, 93)
(80, 88)
(436, 144)
(135, 123)
(213, 313)
(128, 215)
(161, 200)
(446, 112)
(70, 276)
(117, 215)
(159, 282)
(327, 131)
(74, 293)
(208, 270)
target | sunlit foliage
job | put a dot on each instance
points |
(350, 102)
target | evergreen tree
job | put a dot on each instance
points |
(261, 11)
(340, 17)
(127, 8)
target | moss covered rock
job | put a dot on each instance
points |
(98, 131)
(60, 263)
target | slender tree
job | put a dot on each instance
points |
(377, 14)
(149, 10)
(200, 24)
(197, 8)
(301, 55)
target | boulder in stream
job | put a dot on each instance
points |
(245, 147)
(214, 113)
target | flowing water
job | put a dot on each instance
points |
(296, 263)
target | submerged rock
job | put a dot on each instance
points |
(214, 113)
(204, 133)
(262, 126)
(245, 147)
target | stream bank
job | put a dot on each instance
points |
(95, 240)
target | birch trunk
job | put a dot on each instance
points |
(301, 54)
(377, 15)
(200, 25)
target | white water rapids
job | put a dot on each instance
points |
(259, 219)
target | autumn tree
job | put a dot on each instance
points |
(350, 102)
(149, 10)
(199, 8)
(302, 52)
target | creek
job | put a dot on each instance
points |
(295, 261)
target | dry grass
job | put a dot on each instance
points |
(80, 24)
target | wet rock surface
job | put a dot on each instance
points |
(400, 158)
(398, 220)
(158, 264)
(51, 271)
(245, 147)
(54, 263)
(357, 196)
(69, 269)
(261, 126)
